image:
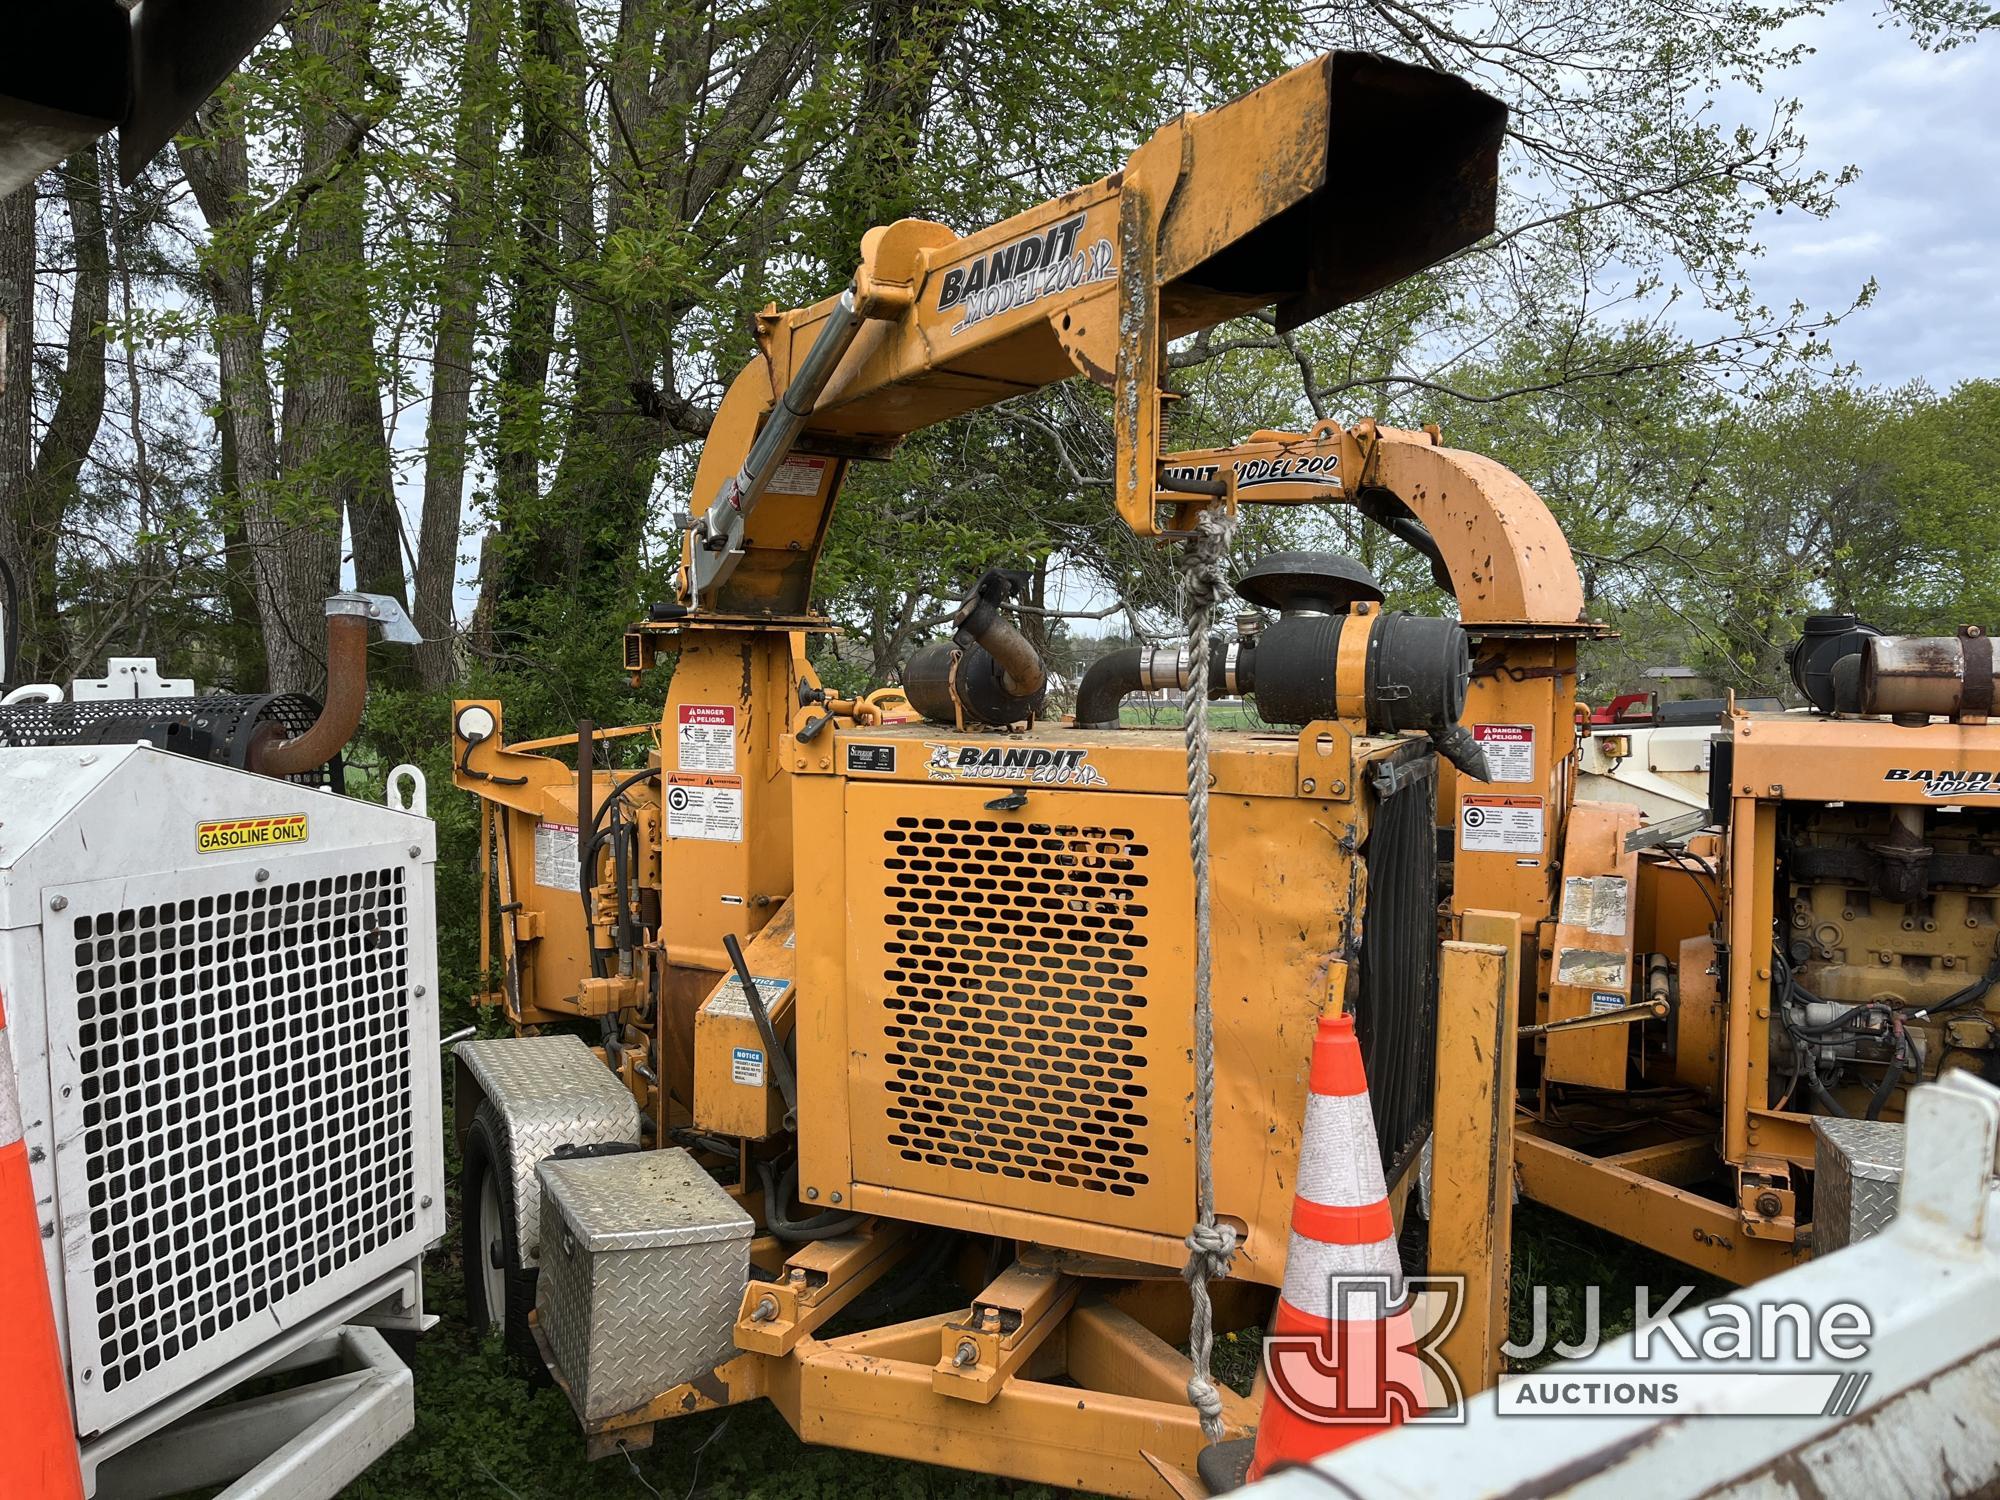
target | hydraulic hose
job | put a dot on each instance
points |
(778, 1192)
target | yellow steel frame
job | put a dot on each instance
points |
(1119, 1423)
(1472, 1153)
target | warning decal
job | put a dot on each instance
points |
(707, 737)
(1510, 750)
(1591, 969)
(746, 1065)
(797, 476)
(555, 856)
(1500, 825)
(219, 835)
(1595, 903)
(705, 807)
(729, 999)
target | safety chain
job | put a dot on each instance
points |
(1210, 1245)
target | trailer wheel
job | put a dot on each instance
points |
(499, 1290)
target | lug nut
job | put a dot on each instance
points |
(1768, 1205)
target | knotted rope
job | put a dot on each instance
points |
(1210, 1245)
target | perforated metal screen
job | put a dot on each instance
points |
(1027, 1037)
(241, 1073)
(218, 727)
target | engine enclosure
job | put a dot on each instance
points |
(994, 947)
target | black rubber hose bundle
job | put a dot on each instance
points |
(778, 1191)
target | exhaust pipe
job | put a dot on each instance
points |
(347, 620)
(988, 672)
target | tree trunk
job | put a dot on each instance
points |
(452, 350)
(17, 394)
(55, 482)
(332, 452)
(552, 229)
(219, 174)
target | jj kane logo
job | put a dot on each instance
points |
(1041, 767)
(1321, 468)
(1946, 785)
(1377, 1357)
(1025, 271)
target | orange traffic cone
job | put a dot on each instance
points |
(1338, 1373)
(37, 1435)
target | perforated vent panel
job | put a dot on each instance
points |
(242, 1060)
(1030, 1022)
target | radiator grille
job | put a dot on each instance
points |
(244, 1070)
(1017, 1017)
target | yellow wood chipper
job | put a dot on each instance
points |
(818, 997)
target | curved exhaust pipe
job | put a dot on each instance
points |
(1022, 674)
(988, 672)
(347, 620)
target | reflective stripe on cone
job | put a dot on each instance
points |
(1339, 1360)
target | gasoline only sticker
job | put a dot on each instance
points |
(1510, 750)
(1500, 825)
(705, 807)
(746, 1065)
(707, 737)
(555, 856)
(219, 835)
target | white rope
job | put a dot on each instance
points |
(1210, 1245)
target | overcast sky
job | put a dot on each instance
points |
(1924, 220)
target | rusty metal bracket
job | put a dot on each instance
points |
(1766, 1201)
(982, 1350)
(1495, 665)
(820, 1279)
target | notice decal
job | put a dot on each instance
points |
(797, 476)
(705, 807)
(1501, 825)
(556, 863)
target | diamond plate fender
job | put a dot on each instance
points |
(1857, 1179)
(549, 1091)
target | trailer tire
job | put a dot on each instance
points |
(499, 1290)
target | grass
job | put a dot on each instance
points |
(1220, 716)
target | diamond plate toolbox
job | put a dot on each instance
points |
(644, 1260)
(1857, 1176)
